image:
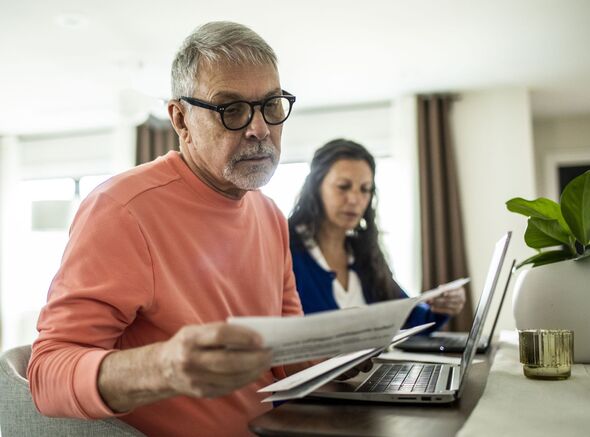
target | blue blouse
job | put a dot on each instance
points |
(315, 288)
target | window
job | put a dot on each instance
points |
(89, 183)
(42, 214)
(285, 185)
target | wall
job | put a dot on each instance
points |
(495, 155)
(559, 140)
(309, 128)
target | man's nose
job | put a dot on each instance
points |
(257, 128)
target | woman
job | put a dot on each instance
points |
(334, 239)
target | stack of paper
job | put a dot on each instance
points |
(304, 382)
(326, 334)
(350, 336)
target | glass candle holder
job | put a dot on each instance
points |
(546, 353)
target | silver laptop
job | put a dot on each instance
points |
(415, 382)
(455, 342)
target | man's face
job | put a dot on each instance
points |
(233, 162)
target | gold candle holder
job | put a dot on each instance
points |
(546, 353)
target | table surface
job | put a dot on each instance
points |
(514, 406)
(309, 417)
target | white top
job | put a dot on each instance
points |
(353, 297)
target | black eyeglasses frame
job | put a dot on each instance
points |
(221, 108)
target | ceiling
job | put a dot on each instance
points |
(73, 64)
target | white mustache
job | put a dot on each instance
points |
(256, 151)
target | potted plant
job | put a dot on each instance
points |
(554, 293)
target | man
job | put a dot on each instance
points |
(161, 255)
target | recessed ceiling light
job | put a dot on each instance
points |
(71, 21)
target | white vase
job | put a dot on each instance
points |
(556, 296)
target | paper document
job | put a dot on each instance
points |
(304, 382)
(306, 387)
(329, 333)
(320, 335)
(430, 294)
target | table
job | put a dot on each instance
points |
(513, 405)
(347, 418)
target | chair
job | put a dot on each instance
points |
(19, 416)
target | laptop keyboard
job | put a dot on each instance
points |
(403, 378)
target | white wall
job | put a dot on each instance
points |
(307, 129)
(495, 155)
(559, 140)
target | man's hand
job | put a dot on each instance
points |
(213, 360)
(450, 302)
(199, 360)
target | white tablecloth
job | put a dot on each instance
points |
(513, 405)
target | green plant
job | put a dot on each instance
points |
(550, 224)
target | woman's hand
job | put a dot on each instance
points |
(450, 302)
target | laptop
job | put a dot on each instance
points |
(413, 382)
(455, 341)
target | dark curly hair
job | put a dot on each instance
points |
(370, 264)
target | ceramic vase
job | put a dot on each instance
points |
(556, 296)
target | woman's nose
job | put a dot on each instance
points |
(353, 196)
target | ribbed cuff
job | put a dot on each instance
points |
(85, 385)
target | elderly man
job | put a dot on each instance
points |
(161, 255)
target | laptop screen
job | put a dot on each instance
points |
(484, 305)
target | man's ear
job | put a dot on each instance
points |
(176, 114)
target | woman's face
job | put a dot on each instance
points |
(346, 193)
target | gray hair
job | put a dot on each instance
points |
(214, 42)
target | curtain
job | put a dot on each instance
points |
(155, 138)
(443, 247)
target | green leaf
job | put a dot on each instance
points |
(548, 257)
(575, 207)
(544, 233)
(542, 208)
(552, 229)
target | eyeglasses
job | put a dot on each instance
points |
(237, 115)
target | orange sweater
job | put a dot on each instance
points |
(152, 250)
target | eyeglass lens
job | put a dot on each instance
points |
(274, 110)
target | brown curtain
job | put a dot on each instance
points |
(443, 247)
(155, 138)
